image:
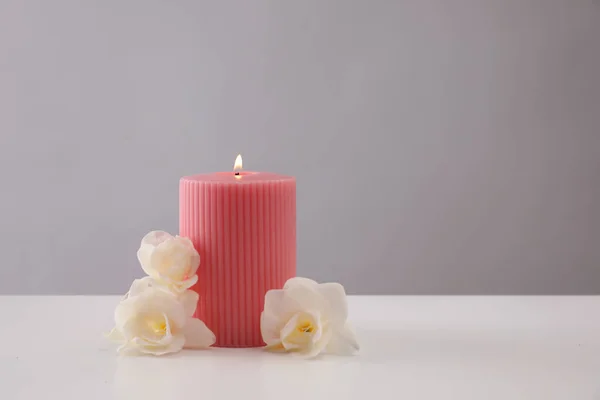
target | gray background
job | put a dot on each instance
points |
(439, 146)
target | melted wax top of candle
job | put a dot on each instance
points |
(243, 177)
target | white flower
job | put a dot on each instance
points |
(153, 321)
(171, 261)
(307, 318)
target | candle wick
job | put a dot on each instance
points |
(237, 173)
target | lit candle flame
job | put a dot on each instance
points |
(238, 163)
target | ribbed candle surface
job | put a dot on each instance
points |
(245, 231)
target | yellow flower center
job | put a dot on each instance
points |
(305, 327)
(159, 327)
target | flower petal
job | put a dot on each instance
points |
(127, 348)
(343, 342)
(337, 304)
(299, 281)
(139, 286)
(168, 332)
(115, 336)
(154, 238)
(144, 255)
(293, 337)
(197, 335)
(303, 297)
(274, 303)
(170, 258)
(289, 337)
(147, 247)
(189, 299)
(278, 309)
(276, 347)
(176, 344)
(132, 328)
(185, 285)
(194, 255)
(270, 328)
(151, 301)
(168, 304)
(124, 312)
(316, 348)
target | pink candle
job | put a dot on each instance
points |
(244, 228)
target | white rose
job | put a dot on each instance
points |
(171, 261)
(152, 321)
(307, 318)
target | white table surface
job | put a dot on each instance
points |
(412, 348)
